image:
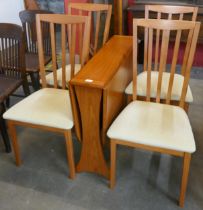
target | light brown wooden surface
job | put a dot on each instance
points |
(106, 64)
(113, 97)
(165, 27)
(94, 9)
(98, 100)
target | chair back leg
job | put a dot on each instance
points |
(12, 131)
(3, 130)
(186, 169)
(69, 151)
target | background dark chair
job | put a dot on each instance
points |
(12, 68)
(28, 20)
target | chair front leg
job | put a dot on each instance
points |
(12, 131)
(70, 154)
(4, 132)
(186, 168)
(113, 164)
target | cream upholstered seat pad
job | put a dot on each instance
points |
(48, 106)
(154, 124)
(176, 91)
(50, 76)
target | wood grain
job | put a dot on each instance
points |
(92, 157)
(97, 96)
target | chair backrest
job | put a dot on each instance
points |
(28, 19)
(31, 5)
(12, 51)
(92, 9)
(171, 12)
(67, 23)
(168, 12)
(165, 27)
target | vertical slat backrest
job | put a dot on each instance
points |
(68, 43)
(28, 19)
(12, 51)
(165, 27)
(91, 9)
(167, 12)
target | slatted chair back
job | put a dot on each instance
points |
(68, 43)
(91, 9)
(28, 19)
(168, 12)
(165, 27)
(12, 49)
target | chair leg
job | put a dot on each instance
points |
(26, 87)
(70, 155)
(186, 168)
(8, 102)
(113, 164)
(129, 98)
(13, 135)
(35, 80)
(5, 135)
(186, 107)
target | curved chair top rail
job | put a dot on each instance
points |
(171, 10)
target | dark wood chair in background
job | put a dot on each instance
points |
(28, 19)
(12, 68)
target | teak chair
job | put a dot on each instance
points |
(98, 9)
(12, 69)
(95, 11)
(164, 12)
(28, 19)
(150, 125)
(50, 108)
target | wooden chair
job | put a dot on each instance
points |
(95, 11)
(89, 9)
(163, 12)
(12, 69)
(50, 108)
(154, 126)
(28, 19)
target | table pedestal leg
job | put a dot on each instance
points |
(90, 106)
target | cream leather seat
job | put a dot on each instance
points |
(50, 77)
(48, 106)
(176, 91)
(154, 124)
